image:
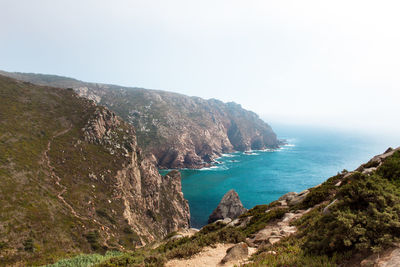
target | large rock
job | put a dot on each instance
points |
(237, 252)
(293, 198)
(229, 207)
(387, 258)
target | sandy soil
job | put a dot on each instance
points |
(208, 257)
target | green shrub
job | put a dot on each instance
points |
(212, 227)
(366, 217)
(28, 245)
(84, 260)
(319, 194)
(208, 236)
(3, 245)
(261, 219)
(390, 169)
(184, 251)
(288, 252)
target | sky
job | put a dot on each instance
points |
(330, 63)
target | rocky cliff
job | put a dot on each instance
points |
(73, 179)
(180, 131)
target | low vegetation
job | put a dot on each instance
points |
(85, 260)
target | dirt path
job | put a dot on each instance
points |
(209, 257)
(46, 161)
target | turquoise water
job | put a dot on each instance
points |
(312, 156)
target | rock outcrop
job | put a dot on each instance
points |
(239, 251)
(181, 131)
(230, 207)
(277, 230)
(390, 257)
(153, 205)
(293, 198)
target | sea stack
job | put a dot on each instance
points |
(229, 207)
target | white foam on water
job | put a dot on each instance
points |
(214, 168)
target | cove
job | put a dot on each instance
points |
(260, 177)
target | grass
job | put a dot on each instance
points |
(30, 118)
(85, 260)
(288, 252)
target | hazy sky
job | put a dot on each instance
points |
(333, 63)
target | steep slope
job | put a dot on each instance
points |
(352, 219)
(180, 131)
(73, 179)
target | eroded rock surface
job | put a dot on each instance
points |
(230, 207)
(237, 252)
(153, 205)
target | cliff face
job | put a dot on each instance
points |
(73, 179)
(153, 205)
(180, 131)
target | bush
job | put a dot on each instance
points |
(319, 194)
(85, 259)
(366, 217)
(3, 245)
(390, 169)
(261, 219)
(289, 253)
(184, 251)
(93, 239)
(28, 245)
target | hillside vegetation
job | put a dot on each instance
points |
(73, 180)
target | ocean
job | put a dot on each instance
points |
(311, 156)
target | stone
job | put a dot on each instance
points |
(387, 258)
(369, 170)
(274, 239)
(299, 198)
(288, 217)
(292, 198)
(176, 237)
(229, 207)
(282, 202)
(235, 222)
(224, 221)
(288, 230)
(288, 196)
(237, 252)
(244, 222)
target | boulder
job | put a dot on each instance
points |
(229, 207)
(292, 198)
(387, 258)
(178, 236)
(224, 221)
(233, 223)
(237, 252)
